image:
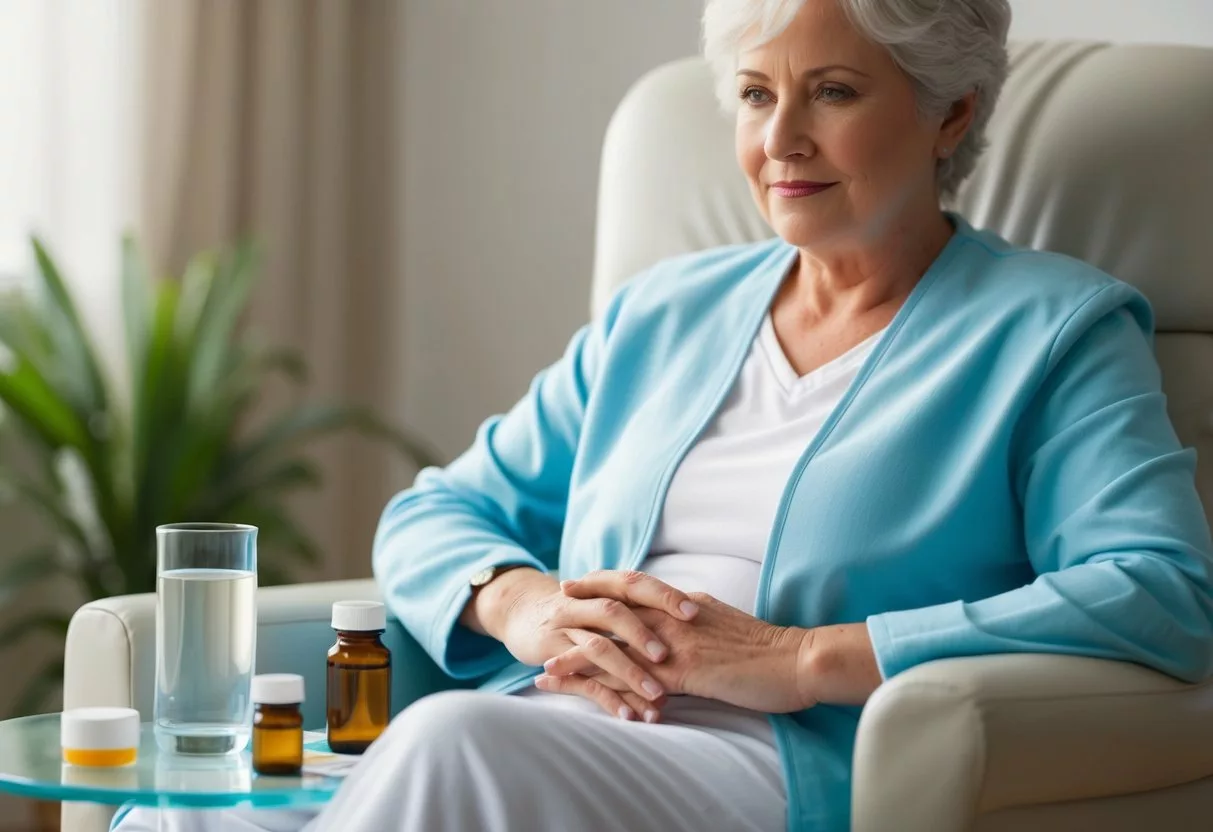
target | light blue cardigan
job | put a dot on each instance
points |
(1001, 477)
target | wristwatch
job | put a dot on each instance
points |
(490, 572)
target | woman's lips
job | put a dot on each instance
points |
(797, 188)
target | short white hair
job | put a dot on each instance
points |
(947, 48)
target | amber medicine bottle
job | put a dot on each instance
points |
(359, 677)
(277, 723)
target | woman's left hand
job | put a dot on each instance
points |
(722, 653)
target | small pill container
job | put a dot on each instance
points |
(277, 723)
(99, 737)
(359, 686)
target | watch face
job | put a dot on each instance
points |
(483, 576)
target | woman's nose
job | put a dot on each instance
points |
(788, 134)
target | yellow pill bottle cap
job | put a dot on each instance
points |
(99, 736)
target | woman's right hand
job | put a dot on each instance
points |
(538, 622)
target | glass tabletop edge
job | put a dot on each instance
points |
(183, 800)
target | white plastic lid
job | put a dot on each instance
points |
(99, 729)
(278, 689)
(359, 616)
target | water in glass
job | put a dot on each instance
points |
(206, 630)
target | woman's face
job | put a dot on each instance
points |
(828, 133)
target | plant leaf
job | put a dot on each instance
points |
(247, 485)
(226, 303)
(137, 290)
(28, 395)
(269, 574)
(39, 690)
(136, 306)
(202, 441)
(26, 569)
(287, 361)
(301, 423)
(70, 335)
(22, 332)
(51, 506)
(421, 453)
(158, 428)
(276, 531)
(57, 387)
(198, 292)
(294, 473)
(212, 421)
(313, 420)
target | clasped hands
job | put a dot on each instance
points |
(626, 640)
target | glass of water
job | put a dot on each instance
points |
(206, 636)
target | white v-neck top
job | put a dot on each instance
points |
(722, 501)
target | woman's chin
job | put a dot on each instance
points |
(805, 229)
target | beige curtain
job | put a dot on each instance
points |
(275, 118)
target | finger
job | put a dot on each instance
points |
(649, 710)
(610, 701)
(645, 710)
(612, 616)
(571, 661)
(635, 588)
(577, 662)
(602, 652)
(621, 688)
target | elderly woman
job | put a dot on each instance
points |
(774, 475)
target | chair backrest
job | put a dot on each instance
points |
(1103, 152)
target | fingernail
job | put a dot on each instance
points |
(651, 688)
(625, 712)
(549, 664)
(541, 681)
(688, 608)
(566, 584)
(650, 716)
(654, 648)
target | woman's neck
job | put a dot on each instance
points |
(869, 274)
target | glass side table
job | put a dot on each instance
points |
(31, 765)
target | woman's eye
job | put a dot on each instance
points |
(835, 94)
(754, 95)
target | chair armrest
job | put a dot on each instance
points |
(949, 740)
(110, 657)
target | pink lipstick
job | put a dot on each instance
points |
(796, 188)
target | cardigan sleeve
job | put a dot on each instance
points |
(1113, 524)
(501, 502)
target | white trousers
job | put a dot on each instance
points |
(467, 761)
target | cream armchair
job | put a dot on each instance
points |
(1097, 151)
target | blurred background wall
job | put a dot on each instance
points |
(1123, 21)
(505, 106)
(430, 252)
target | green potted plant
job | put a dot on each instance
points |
(105, 469)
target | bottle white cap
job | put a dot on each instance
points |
(359, 616)
(278, 689)
(99, 729)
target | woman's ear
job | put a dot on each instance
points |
(956, 124)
